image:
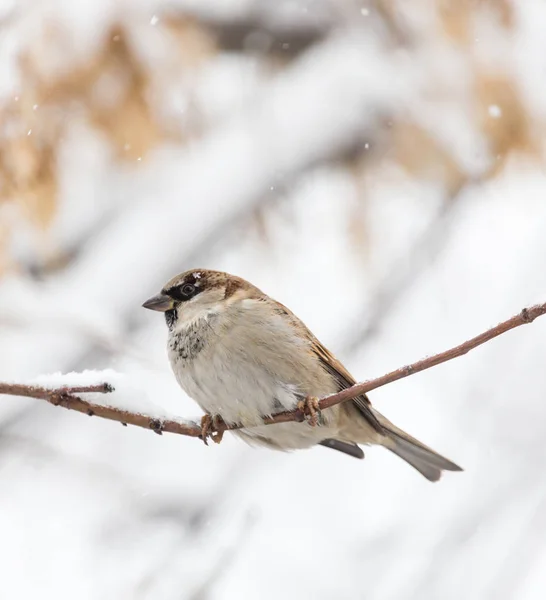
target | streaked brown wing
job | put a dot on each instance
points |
(340, 374)
(345, 380)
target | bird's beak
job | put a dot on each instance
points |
(161, 302)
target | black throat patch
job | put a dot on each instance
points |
(188, 343)
(170, 318)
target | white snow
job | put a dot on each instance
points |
(494, 111)
(133, 391)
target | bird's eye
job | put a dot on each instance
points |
(183, 292)
(187, 290)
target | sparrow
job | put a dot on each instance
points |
(243, 356)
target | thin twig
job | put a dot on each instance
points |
(42, 393)
(67, 398)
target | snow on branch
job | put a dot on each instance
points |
(71, 397)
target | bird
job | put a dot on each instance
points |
(243, 356)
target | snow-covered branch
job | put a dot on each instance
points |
(70, 397)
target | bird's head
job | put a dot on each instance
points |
(197, 294)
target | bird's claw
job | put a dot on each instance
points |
(213, 427)
(310, 407)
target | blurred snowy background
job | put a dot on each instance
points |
(377, 166)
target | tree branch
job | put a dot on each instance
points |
(68, 397)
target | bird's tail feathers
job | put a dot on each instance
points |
(428, 462)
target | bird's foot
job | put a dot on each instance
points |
(212, 426)
(310, 408)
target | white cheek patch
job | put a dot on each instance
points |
(192, 311)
